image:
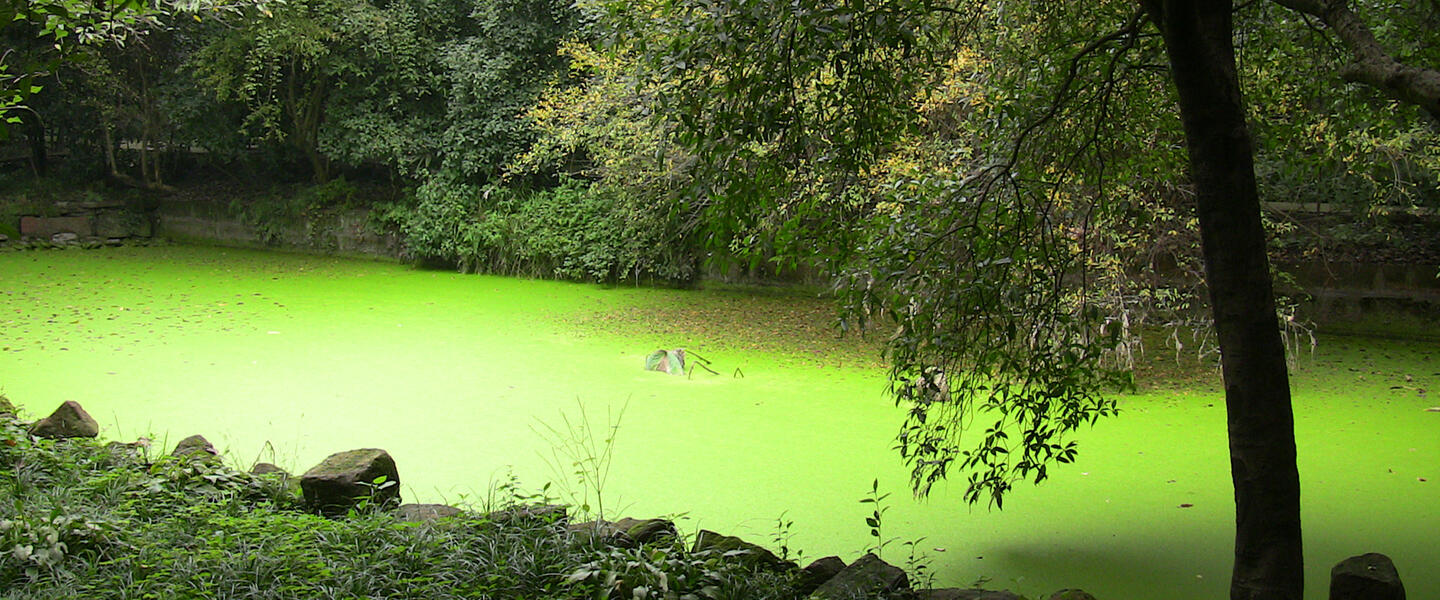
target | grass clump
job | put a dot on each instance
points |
(81, 518)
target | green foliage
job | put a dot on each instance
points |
(62, 27)
(573, 231)
(876, 520)
(287, 66)
(669, 571)
(985, 326)
(494, 77)
(63, 33)
(1322, 141)
(412, 86)
(602, 127)
(808, 120)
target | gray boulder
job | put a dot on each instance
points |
(68, 421)
(817, 573)
(625, 533)
(740, 550)
(639, 532)
(344, 479)
(196, 447)
(1071, 594)
(419, 513)
(266, 468)
(133, 449)
(290, 484)
(1366, 577)
(869, 576)
(64, 238)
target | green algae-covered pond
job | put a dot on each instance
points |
(287, 358)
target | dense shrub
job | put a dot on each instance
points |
(577, 230)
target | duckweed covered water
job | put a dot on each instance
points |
(287, 358)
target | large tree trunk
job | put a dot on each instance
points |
(1268, 558)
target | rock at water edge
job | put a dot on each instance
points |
(740, 549)
(1366, 577)
(817, 573)
(865, 577)
(344, 479)
(418, 513)
(68, 421)
(196, 447)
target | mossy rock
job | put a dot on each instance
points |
(265, 469)
(68, 421)
(817, 573)
(740, 550)
(345, 480)
(868, 576)
(196, 447)
(421, 513)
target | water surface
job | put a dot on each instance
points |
(287, 358)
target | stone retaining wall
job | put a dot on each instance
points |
(98, 220)
(1342, 292)
(341, 232)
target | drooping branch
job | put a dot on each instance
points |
(1371, 64)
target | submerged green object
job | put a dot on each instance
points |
(666, 361)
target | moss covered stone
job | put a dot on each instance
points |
(866, 577)
(741, 550)
(68, 421)
(195, 447)
(346, 479)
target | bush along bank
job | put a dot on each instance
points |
(108, 520)
(577, 231)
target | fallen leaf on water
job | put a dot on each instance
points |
(1186, 505)
(1433, 409)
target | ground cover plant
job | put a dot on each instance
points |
(84, 518)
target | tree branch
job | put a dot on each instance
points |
(1371, 64)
